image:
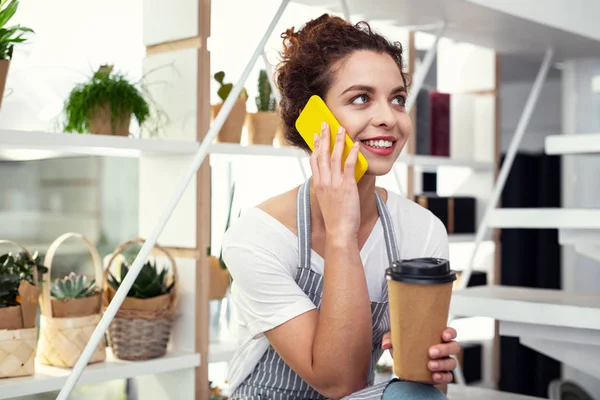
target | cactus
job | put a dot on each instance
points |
(73, 286)
(225, 88)
(265, 101)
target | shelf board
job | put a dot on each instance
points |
(528, 305)
(230, 151)
(473, 23)
(47, 379)
(35, 145)
(545, 218)
(29, 145)
(573, 144)
(221, 352)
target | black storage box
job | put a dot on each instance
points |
(457, 213)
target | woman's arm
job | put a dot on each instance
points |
(330, 348)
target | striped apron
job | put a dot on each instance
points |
(272, 379)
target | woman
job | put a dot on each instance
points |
(308, 265)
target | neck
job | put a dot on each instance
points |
(366, 194)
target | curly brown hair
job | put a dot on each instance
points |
(307, 59)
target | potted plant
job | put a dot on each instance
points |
(19, 293)
(9, 36)
(104, 104)
(71, 308)
(142, 327)
(231, 131)
(220, 278)
(264, 124)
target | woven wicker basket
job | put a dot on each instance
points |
(17, 346)
(141, 334)
(62, 339)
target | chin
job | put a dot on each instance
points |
(379, 167)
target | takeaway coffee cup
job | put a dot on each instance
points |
(419, 300)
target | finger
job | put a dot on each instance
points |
(351, 162)
(449, 334)
(443, 365)
(323, 154)
(386, 342)
(314, 163)
(442, 377)
(444, 350)
(336, 156)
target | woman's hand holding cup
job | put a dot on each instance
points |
(441, 357)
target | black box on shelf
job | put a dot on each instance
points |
(429, 182)
(457, 213)
(470, 359)
(478, 278)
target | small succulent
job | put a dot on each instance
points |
(149, 282)
(73, 286)
(225, 88)
(14, 269)
(265, 101)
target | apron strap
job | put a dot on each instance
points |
(303, 225)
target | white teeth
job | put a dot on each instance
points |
(379, 143)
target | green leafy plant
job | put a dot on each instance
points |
(225, 88)
(14, 269)
(73, 286)
(10, 35)
(149, 283)
(265, 101)
(104, 87)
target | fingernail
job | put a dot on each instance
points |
(447, 336)
(437, 377)
(323, 125)
(434, 352)
(385, 343)
(356, 144)
(316, 137)
(340, 130)
(434, 364)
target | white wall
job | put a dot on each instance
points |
(545, 119)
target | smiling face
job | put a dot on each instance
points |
(368, 97)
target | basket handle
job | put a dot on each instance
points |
(35, 271)
(124, 245)
(50, 256)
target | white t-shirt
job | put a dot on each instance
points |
(262, 256)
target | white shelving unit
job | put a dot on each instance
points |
(583, 143)
(559, 324)
(47, 379)
(26, 145)
(546, 218)
(231, 151)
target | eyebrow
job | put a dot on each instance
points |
(370, 89)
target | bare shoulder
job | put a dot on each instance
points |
(283, 208)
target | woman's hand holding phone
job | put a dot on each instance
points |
(335, 185)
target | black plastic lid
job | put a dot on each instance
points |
(428, 271)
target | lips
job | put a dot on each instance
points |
(382, 145)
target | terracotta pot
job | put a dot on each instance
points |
(4, 64)
(219, 279)
(262, 127)
(280, 138)
(100, 122)
(231, 131)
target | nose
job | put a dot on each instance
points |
(383, 116)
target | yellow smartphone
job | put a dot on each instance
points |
(309, 122)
